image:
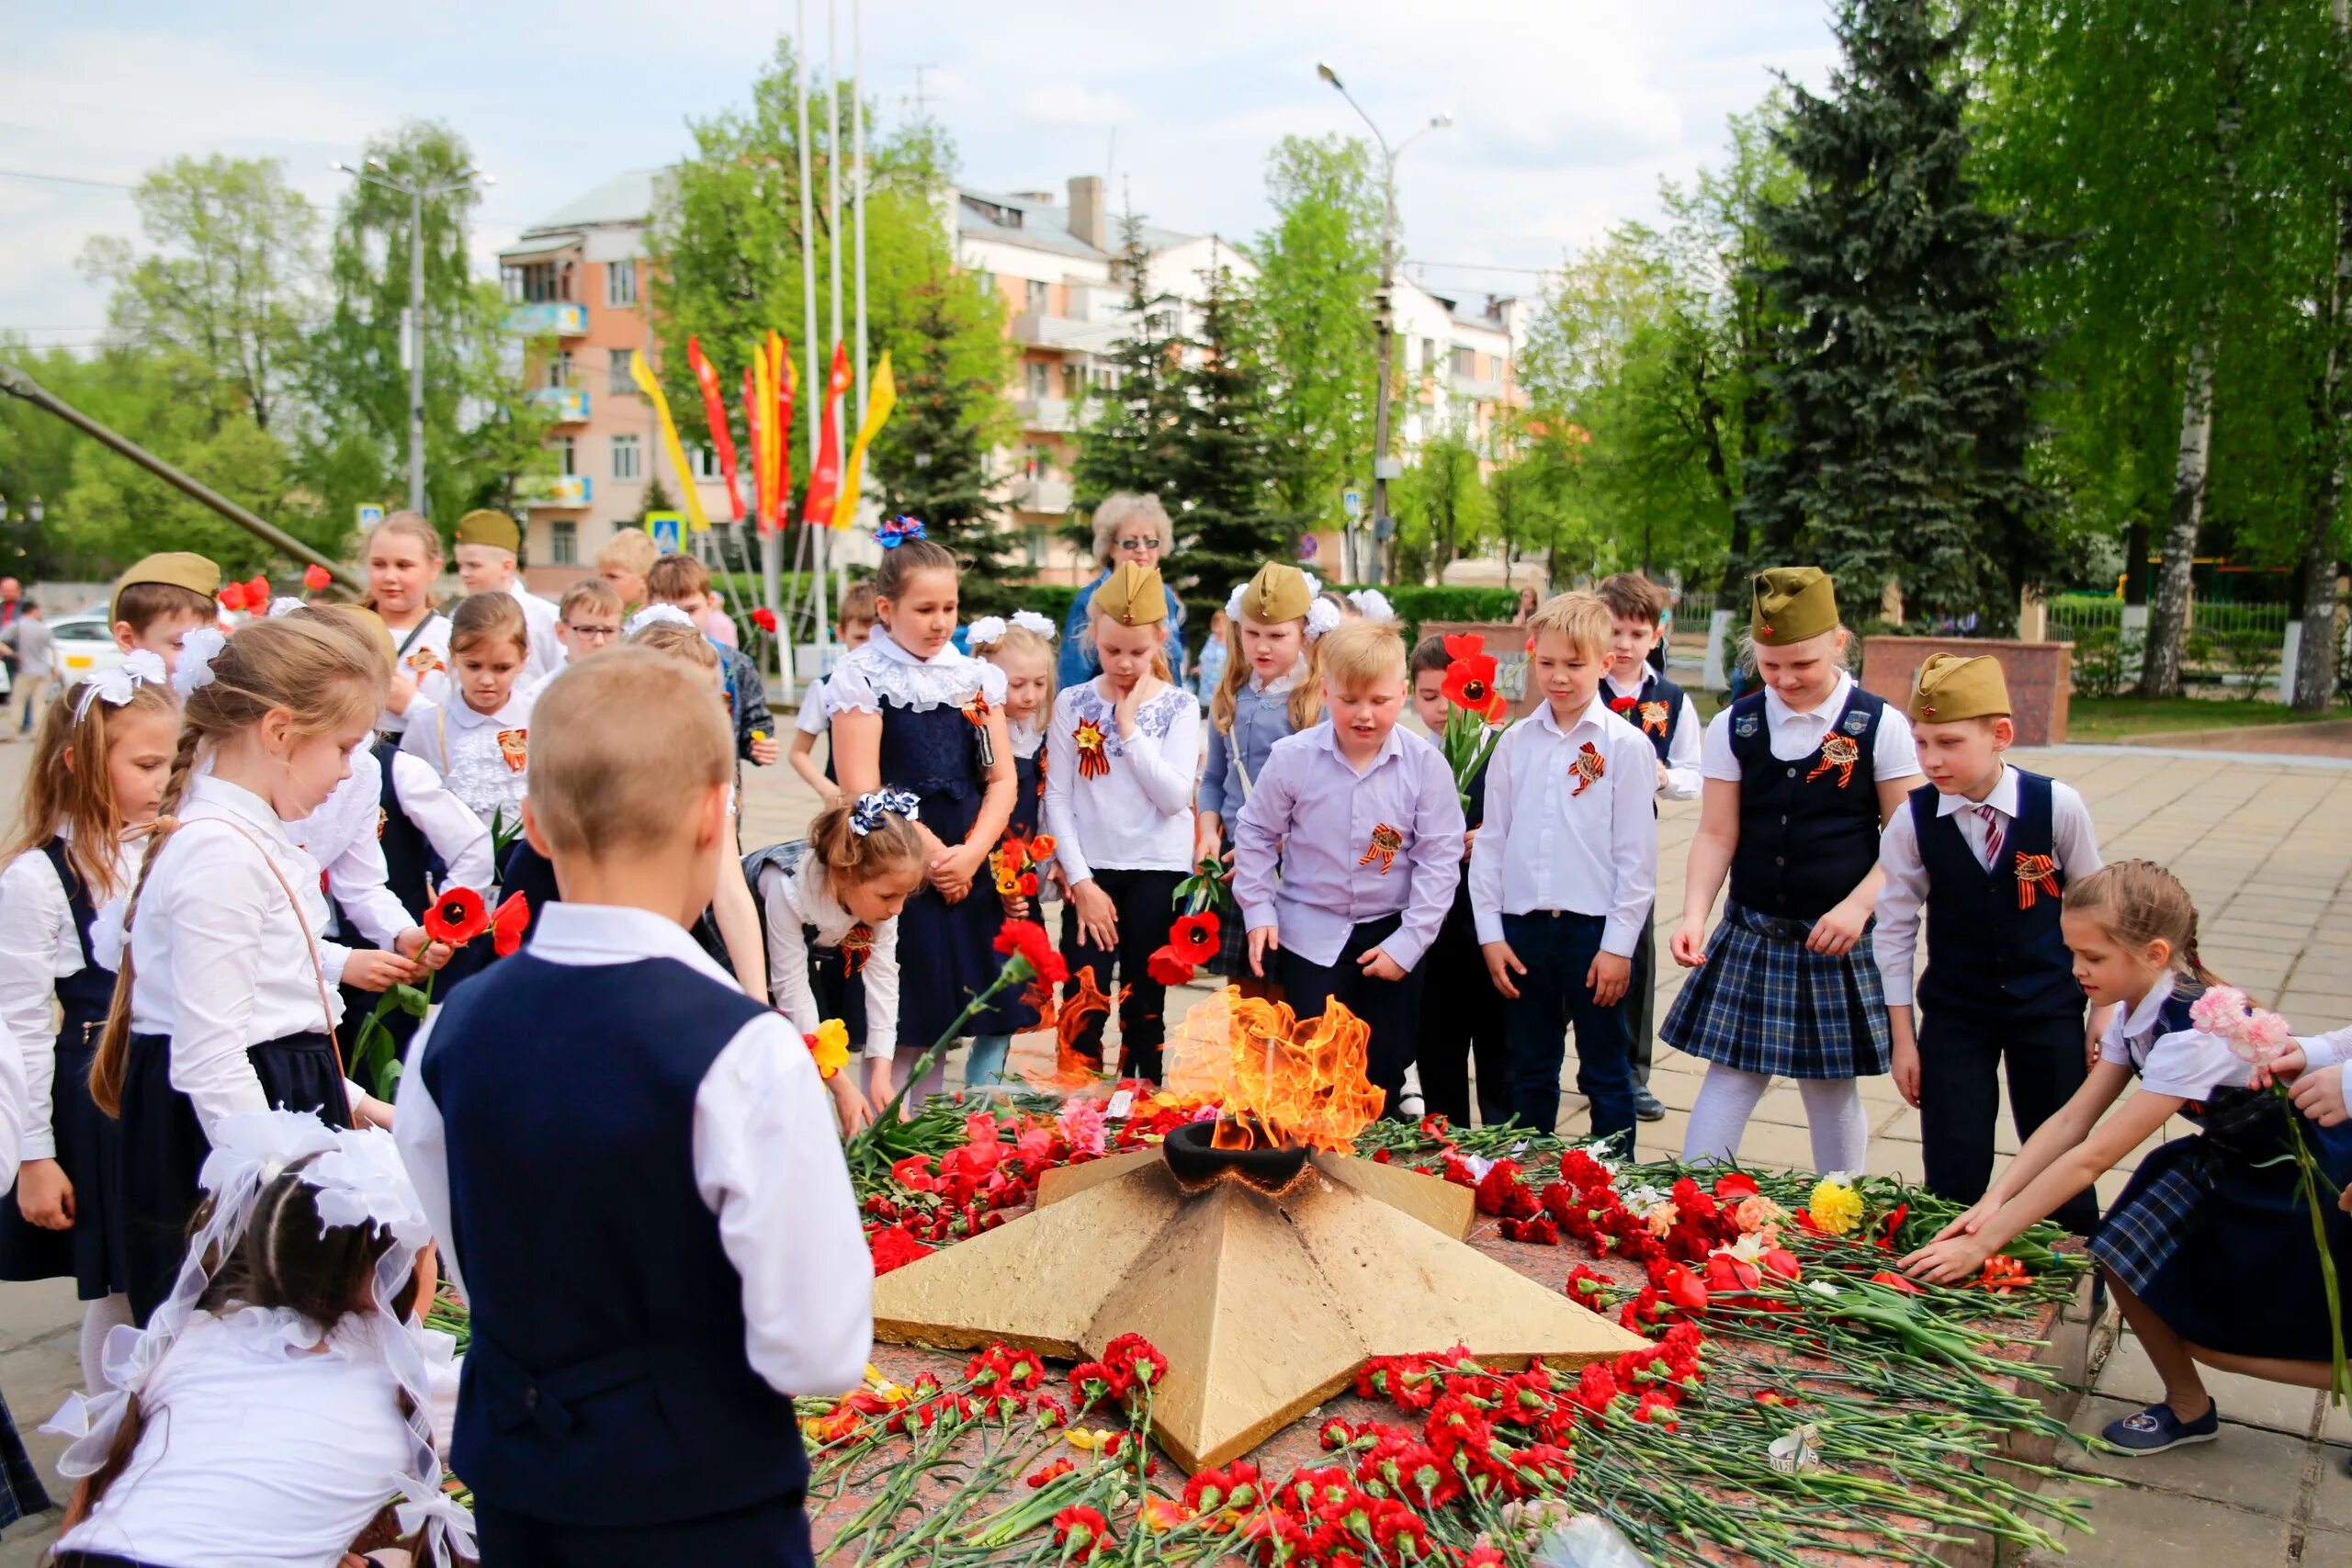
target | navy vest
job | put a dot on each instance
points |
(1657, 693)
(607, 1384)
(1993, 945)
(86, 996)
(410, 867)
(1808, 829)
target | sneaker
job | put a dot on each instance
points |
(1410, 1106)
(2156, 1428)
(1646, 1105)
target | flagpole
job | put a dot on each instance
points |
(857, 171)
(833, 262)
(813, 387)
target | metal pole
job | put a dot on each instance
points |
(857, 173)
(809, 385)
(1387, 320)
(416, 349)
(821, 546)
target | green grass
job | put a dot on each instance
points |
(2118, 718)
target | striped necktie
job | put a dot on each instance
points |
(1992, 821)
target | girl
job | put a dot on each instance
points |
(1269, 689)
(403, 556)
(1208, 672)
(223, 1003)
(911, 712)
(1023, 650)
(2209, 1249)
(832, 903)
(1118, 803)
(1799, 779)
(480, 743)
(98, 776)
(271, 1409)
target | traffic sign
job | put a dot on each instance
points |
(667, 528)
(370, 515)
(1308, 547)
(1355, 501)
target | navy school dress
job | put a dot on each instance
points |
(1009, 1014)
(1808, 834)
(2212, 1231)
(946, 951)
(89, 1142)
(412, 871)
(834, 973)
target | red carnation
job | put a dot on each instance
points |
(1060, 1467)
(1078, 1531)
(1027, 939)
(893, 1247)
(1136, 1358)
(764, 618)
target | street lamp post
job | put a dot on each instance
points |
(412, 334)
(1384, 317)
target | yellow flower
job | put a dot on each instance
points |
(1836, 1207)
(829, 1046)
(1007, 884)
(1091, 1439)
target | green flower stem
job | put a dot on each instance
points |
(1016, 971)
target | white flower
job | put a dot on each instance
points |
(1749, 1248)
(1030, 621)
(197, 649)
(986, 632)
(1322, 616)
(654, 615)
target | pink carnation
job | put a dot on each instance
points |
(2263, 1037)
(1081, 1125)
(2221, 1010)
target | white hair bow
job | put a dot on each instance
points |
(986, 631)
(283, 605)
(1321, 617)
(654, 615)
(1373, 605)
(118, 685)
(197, 650)
(1233, 601)
(1314, 583)
(1030, 621)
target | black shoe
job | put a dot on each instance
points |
(1646, 1106)
(2156, 1428)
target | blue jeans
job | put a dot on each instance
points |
(1557, 949)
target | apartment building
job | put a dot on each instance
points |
(1456, 358)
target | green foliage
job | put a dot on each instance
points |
(932, 459)
(1232, 473)
(1416, 604)
(1131, 440)
(1440, 506)
(2252, 657)
(656, 498)
(2106, 659)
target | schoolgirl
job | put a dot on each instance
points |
(22, 1492)
(478, 741)
(1799, 779)
(831, 904)
(1023, 649)
(1118, 804)
(911, 712)
(402, 555)
(2209, 1249)
(1270, 689)
(224, 1002)
(97, 776)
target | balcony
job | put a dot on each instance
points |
(549, 317)
(1478, 390)
(555, 490)
(568, 405)
(1047, 495)
(1047, 414)
(1034, 329)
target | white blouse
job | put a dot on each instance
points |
(266, 1445)
(426, 662)
(483, 758)
(1138, 815)
(345, 836)
(540, 618)
(879, 670)
(39, 947)
(804, 897)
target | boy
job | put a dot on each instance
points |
(1462, 1013)
(627, 1397)
(853, 625)
(1637, 691)
(162, 599)
(1987, 849)
(588, 620)
(33, 648)
(685, 583)
(1366, 826)
(1564, 871)
(623, 561)
(487, 545)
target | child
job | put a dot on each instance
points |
(832, 904)
(1564, 871)
(1118, 804)
(403, 560)
(911, 712)
(623, 561)
(1645, 699)
(1800, 778)
(33, 648)
(853, 625)
(224, 1001)
(97, 777)
(1024, 650)
(162, 599)
(270, 1409)
(1462, 1013)
(588, 618)
(685, 582)
(635, 1344)
(1208, 673)
(488, 544)
(480, 743)
(2208, 1248)
(1269, 690)
(1987, 849)
(1345, 806)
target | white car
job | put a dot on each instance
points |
(85, 645)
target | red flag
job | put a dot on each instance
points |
(825, 478)
(780, 356)
(714, 408)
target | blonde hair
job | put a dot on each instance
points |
(1841, 649)
(408, 525)
(630, 549)
(362, 625)
(852, 858)
(79, 797)
(857, 604)
(1582, 617)
(1021, 639)
(1094, 617)
(615, 741)
(674, 641)
(1305, 698)
(592, 591)
(1356, 653)
(2137, 902)
(486, 617)
(1125, 507)
(312, 666)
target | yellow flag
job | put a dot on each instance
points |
(643, 373)
(762, 397)
(882, 396)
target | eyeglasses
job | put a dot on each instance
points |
(1150, 544)
(592, 634)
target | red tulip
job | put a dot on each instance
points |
(456, 917)
(507, 926)
(316, 577)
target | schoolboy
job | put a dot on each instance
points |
(1637, 691)
(853, 625)
(162, 599)
(588, 620)
(488, 545)
(1564, 871)
(685, 583)
(1986, 848)
(623, 561)
(632, 1171)
(1462, 1013)
(1364, 823)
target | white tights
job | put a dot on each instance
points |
(97, 1318)
(1832, 1111)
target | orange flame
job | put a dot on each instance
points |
(1281, 1081)
(1068, 1020)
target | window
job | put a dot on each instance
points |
(1038, 298)
(1040, 462)
(532, 283)
(1073, 382)
(563, 450)
(1466, 363)
(1429, 354)
(563, 543)
(559, 369)
(616, 377)
(704, 463)
(1038, 383)
(625, 458)
(620, 283)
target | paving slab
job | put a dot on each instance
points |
(2161, 1529)
(2129, 1377)
(2252, 1470)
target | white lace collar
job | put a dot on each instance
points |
(880, 671)
(1286, 682)
(1026, 738)
(514, 715)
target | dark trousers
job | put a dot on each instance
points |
(1557, 949)
(1390, 1009)
(1640, 1007)
(1962, 1058)
(1146, 902)
(1462, 1022)
(772, 1534)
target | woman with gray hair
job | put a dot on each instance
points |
(1126, 527)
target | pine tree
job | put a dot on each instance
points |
(1130, 443)
(1231, 471)
(1900, 452)
(931, 462)
(656, 499)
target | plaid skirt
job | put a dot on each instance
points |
(1764, 1003)
(22, 1492)
(1232, 960)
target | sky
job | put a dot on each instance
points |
(1565, 113)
